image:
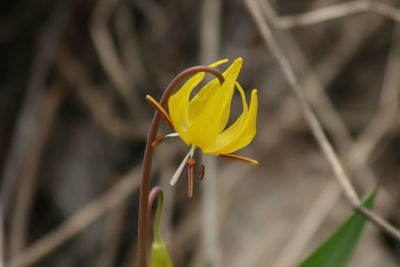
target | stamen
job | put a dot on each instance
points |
(160, 109)
(202, 167)
(239, 158)
(191, 164)
(158, 140)
(201, 172)
(161, 138)
(178, 171)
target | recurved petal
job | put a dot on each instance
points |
(205, 128)
(240, 133)
(221, 142)
(238, 124)
(178, 103)
(197, 104)
(219, 62)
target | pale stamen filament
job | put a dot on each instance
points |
(178, 171)
(172, 135)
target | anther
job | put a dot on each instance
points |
(191, 164)
(158, 140)
(201, 172)
(160, 109)
(239, 158)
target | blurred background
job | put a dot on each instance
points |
(73, 123)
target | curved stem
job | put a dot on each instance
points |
(156, 191)
(148, 157)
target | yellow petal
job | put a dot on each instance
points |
(240, 133)
(198, 103)
(221, 141)
(178, 103)
(219, 62)
(238, 124)
(243, 96)
(205, 128)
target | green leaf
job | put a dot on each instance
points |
(337, 250)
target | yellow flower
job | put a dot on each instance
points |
(201, 121)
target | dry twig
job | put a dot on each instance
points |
(209, 50)
(317, 213)
(337, 129)
(2, 239)
(100, 109)
(314, 124)
(111, 238)
(109, 59)
(48, 108)
(210, 215)
(24, 135)
(82, 219)
(387, 114)
(327, 68)
(335, 12)
(129, 43)
(308, 113)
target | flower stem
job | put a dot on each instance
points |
(148, 158)
(160, 200)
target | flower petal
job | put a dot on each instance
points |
(240, 133)
(238, 124)
(205, 128)
(198, 102)
(219, 62)
(178, 103)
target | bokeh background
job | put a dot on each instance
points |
(73, 123)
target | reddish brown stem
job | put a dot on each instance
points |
(148, 157)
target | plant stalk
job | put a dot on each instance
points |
(143, 231)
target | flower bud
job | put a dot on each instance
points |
(159, 255)
(159, 252)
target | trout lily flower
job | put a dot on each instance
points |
(200, 119)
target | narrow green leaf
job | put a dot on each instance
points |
(337, 250)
